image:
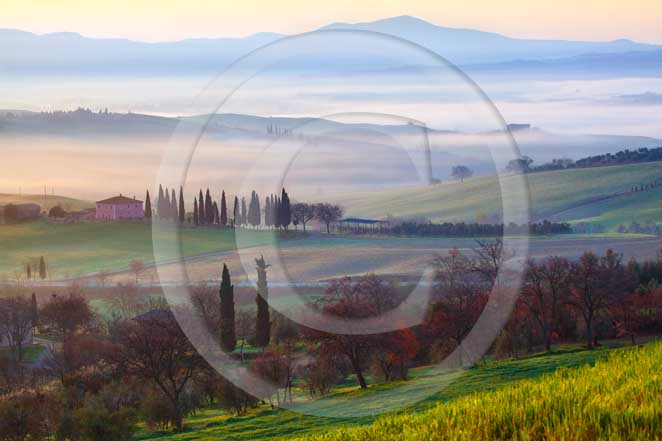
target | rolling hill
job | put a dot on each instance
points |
(578, 195)
(46, 201)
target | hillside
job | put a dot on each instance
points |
(580, 195)
(265, 423)
(47, 201)
(615, 399)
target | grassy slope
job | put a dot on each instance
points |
(47, 202)
(74, 249)
(551, 192)
(617, 399)
(264, 423)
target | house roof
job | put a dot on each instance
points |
(119, 200)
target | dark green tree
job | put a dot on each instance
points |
(159, 202)
(42, 268)
(277, 213)
(285, 210)
(223, 219)
(263, 321)
(268, 218)
(201, 209)
(28, 272)
(236, 213)
(244, 215)
(182, 208)
(196, 218)
(148, 206)
(173, 206)
(35, 309)
(210, 213)
(228, 337)
(164, 211)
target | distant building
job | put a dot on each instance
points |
(519, 127)
(119, 208)
(19, 212)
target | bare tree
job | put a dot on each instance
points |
(67, 315)
(102, 278)
(302, 213)
(137, 266)
(207, 304)
(490, 257)
(16, 323)
(545, 284)
(328, 213)
(125, 300)
(459, 300)
(154, 348)
(590, 289)
(245, 323)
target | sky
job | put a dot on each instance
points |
(167, 20)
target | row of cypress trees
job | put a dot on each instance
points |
(206, 211)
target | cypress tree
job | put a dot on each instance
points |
(159, 202)
(228, 337)
(267, 212)
(182, 208)
(258, 212)
(196, 218)
(42, 268)
(173, 206)
(216, 215)
(251, 210)
(286, 213)
(243, 211)
(201, 209)
(209, 208)
(28, 271)
(224, 210)
(148, 206)
(236, 212)
(262, 325)
(34, 309)
(165, 205)
(277, 213)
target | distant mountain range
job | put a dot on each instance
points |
(24, 53)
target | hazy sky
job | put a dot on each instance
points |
(159, 20)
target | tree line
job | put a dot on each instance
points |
(208, 211)
(638, 156)
(462, 229)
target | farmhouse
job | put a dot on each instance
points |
(19, 212)
(119, 208)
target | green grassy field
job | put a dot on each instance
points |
(347, 400)
(617, 399)
(562, 195)
(76, 249)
